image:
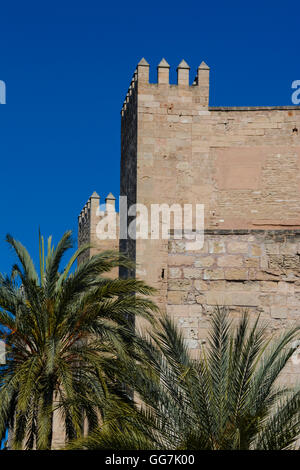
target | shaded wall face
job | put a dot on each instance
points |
(128, 170)
(253, 270)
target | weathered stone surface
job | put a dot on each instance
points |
(203, 285)
(181, 260)
(230, 261)
(178, 310)
(236, 274)
(265, 282)
(200, 299)
(284, 263)
(175, 273)
(176, 297)
(192, 273)
(205, 261)
(256, 250)
(269, 286)
(179, 284)
(216, 246)
(213, 274)
(195, 310)
(237, 247)
(232, 298)
(187, 322)
(279, 311)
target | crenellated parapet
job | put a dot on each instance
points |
(85, 218)
(91, 225)
(131, 93)
(199, 86)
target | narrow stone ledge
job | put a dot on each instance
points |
(253, 108)
(271, 232)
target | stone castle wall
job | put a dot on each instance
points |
(257, 271)
(241, 163)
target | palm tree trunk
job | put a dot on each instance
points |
(45, 421)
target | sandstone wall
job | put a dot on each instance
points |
(241, 163)
(253, 270)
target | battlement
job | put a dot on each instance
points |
(88, 220)
(84, 218)
(141, 76)
(130, 93)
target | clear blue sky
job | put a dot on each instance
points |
(67, 66)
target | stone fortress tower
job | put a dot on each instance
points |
(243, 164)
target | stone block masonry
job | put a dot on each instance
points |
(262, 277)
(242, 163)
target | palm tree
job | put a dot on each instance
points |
(228, 398)
(64, 332)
